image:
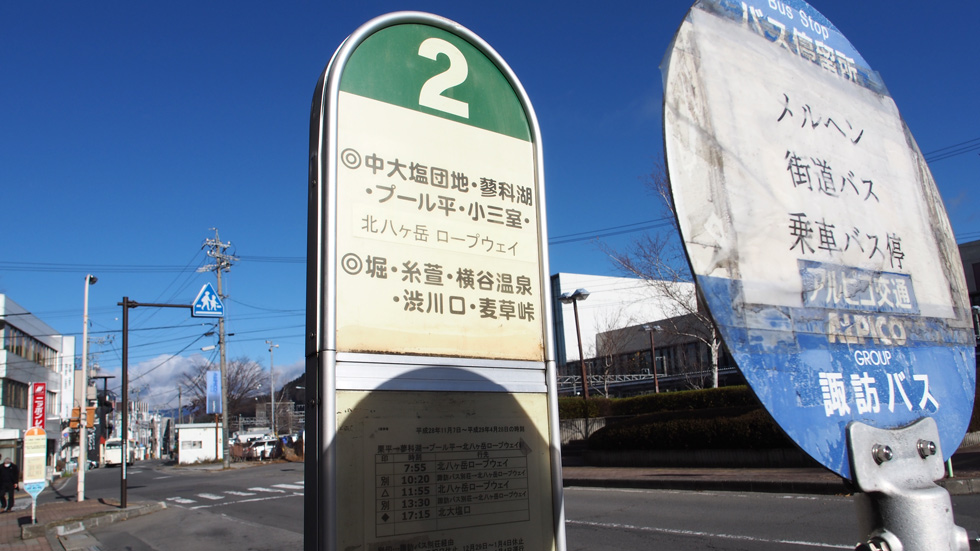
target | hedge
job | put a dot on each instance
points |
(728, 417)
(731, 396)
(723, 428)
(718, 418)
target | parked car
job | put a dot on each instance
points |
(262, 448)
(73, 464)
(113, 452)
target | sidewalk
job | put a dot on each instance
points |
(61, 523)
(795, 481)
(965, 480)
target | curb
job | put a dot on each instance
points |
(788, 487)
(955, 486)
(74, 525)
(961, 486)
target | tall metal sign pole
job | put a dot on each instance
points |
(822, 249)
(429, 348)
(124, 432)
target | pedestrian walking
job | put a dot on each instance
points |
(9, 481)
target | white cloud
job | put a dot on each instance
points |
(154, 380)
(289, 372)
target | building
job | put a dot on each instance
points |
(970, 255)
(199, 443)
(625, 322)
(615, 323)
(32, 352)
(613, 302)
(681, 348)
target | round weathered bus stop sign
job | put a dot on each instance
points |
(814, 228)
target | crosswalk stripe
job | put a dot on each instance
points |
(212, 497)
(288, 486)
(269, 490)
(237, 493)
(181, 500)
(246, 500)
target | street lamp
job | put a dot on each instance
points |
(573, 298)
(272, 388)
(83, 407)
(653, 355)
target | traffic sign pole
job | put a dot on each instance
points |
(427, 242)
(126, 305)
(900, 505)
(35, 471)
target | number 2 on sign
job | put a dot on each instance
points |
(431, 93)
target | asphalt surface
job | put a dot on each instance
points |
(63, 525)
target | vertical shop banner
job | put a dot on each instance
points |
(213, 392)
(429, 284)
(38, 404)
(814, 228)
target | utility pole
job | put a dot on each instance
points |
(222, 263)
(272, 388)
(83, 406)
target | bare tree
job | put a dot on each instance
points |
(660, 260)
(611, 344)
(243, 376)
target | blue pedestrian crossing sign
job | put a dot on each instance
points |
(35, 488)
(207, 304)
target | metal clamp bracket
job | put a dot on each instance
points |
(901, 507)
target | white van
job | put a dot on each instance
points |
(113, 452)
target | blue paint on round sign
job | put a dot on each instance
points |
(815, 381)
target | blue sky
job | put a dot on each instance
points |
(128, 130)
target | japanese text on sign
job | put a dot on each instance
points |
(864, 390)
(809, 40)
(433, 234)
(848, 288)
(425, 487)
(38, 399)
(421, 301)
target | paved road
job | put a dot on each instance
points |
(255, 508)
(680, 521)
(260, 508)
(614, 519)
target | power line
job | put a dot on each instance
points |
(626, 227)
(967, 236)
(267, 309)
(954, 150)
(610, 232)
(172, 356)
(275, 259)
(13, 266)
